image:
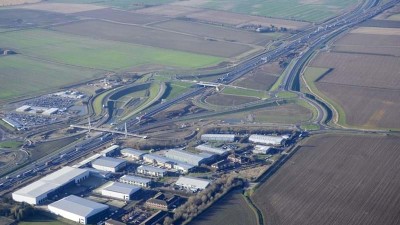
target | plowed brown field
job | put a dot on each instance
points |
(335, 180)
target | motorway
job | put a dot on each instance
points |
(313, 38)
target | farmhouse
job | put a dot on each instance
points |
(79, 210)
(151, 171)
(120, 191)
(192, 183)
(135, 180)
(109, 164)
(38, 191)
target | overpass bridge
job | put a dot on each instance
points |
(125, 132)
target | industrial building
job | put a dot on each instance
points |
(13, 123)
(87, 161)
(208, 148)
(151, 171)
(190, 158)
(109, 164)
(158, 160)
(267, 139)
(23, 108)
(218, 137)
(120, 191)
(261, 149)
(133, 153)
(192, 183)
(50, 111)
(110, 151)
(183, 167)
(135, 180)
(79, 210)
(38, 191)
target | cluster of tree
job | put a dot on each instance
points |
(202, 200)
(15, 211)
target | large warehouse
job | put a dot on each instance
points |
(218, 137)
(267, 139)
(211, 149)
(192, 183)
(187, 157)
(109, 164)
(79, 210)
(38, 191)
(120, 191)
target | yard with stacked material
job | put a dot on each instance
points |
(231, 209)
(363, 83)
(336, 179)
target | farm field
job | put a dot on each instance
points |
(97, 54)
(262, 78)
(362, 99)
(123, 4)
(289, 9)
(23, 18)
(17, 2)
(119, 16)
(153, 37)
(216, 32)
(336, 179)
(60, 7)
(231, 209)
(38, 76)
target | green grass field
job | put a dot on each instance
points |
(311, 74)
(98, 54)
(98, 102)
(124, 4)
(289, 9)
(245, 92)
(20, 75)
(10, 144)
(286, 94)
(39, 219)
(176, 88)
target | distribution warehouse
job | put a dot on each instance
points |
(187, 157)
(109, 164)
(135, 180)
(218, 137)
(133, 153)
(192, 183)
(79, 210)
(42, 189)
(151, 171)
(120, 190)
(267, 139)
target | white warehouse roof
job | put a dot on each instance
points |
(78, 206)
(151, 168)
(122, 188)
(49, 183)
(208, 148)
(230, 137)
(132, 151)
(109, 149)
(108, 162)
(192, 182)
(135, 179)
(266, 139)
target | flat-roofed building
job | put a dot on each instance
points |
(50, 111)
(120, 190)
(158, 160)
(261, 149)
(110, 150)
(151, 171)
(191, 158)
(182, 167)
(38, 191)
(79, 210)
(162, 201)
(192, 183)
(135, 180)
(109, 164)
(218, 137)
(267, 139)
(23, 108)
(211, 149)
(13, 123)
(133, 153)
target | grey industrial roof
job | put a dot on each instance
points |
(110, 149)
(133, 151)
(50, 182)
(209, 148)
(151, 168)
(192, 182)
(135, 179)
(122, 188)
(181, 155)
(79, 206)
(158, 158)
(108, 162)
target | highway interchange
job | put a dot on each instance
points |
(312, 38)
